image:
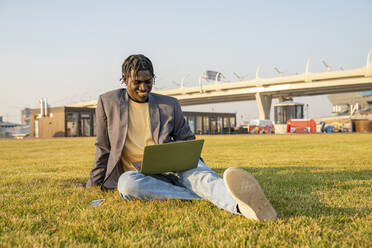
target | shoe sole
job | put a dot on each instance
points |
(247, 192)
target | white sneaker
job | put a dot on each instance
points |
(247, 192)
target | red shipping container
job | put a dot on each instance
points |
(301, 126)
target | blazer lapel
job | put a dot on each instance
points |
(124, 116)
(154, 118)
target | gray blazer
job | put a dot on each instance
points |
(167, 124)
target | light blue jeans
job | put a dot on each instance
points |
(195, 184)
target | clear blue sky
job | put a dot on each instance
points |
(73, 50)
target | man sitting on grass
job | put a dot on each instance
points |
(132, 118)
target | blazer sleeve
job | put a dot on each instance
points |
(103, 148)
(181, 130)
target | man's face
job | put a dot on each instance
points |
(140, 85)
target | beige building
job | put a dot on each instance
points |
(70, 121)
(62, 122)
(350, 103)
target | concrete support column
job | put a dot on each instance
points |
(264, 106)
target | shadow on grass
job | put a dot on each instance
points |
(300, 191)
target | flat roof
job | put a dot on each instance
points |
(288, 103)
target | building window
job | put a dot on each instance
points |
(206, 124)
(85, 125)
(284, 113)
(213, 122)
(72, 124)
(94, 125)
(299, 113)
(219, 125)
(191, 122)
(232, 122)
(226, 125)
(226, 122)
(199, 125)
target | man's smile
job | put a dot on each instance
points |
(142, 94)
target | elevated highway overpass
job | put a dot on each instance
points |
(292, 86)
(263, 90)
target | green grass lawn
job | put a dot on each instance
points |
(320, 186)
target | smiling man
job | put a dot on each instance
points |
(132, 118)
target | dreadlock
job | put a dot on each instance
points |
(135, 63)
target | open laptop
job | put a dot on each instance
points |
(170, 157)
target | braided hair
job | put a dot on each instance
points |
(135, 63)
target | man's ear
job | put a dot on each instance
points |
(124, 79)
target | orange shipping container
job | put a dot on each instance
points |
(301, 126)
